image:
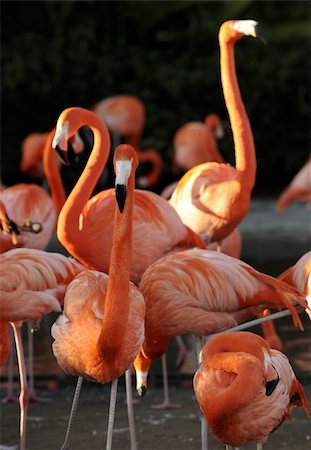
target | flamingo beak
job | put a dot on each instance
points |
(120, 196)
(60, 142)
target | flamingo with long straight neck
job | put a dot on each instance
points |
(214, 198)
(102, 328)
(85, 225)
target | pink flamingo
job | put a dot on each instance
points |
(32, 284)
(245, 389)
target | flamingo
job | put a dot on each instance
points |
(29, 210)
(32, 283)
(32, 155)
(299, 276)
(125, 115)
(195, 143)
(85, 225)
(102, 327)
(214, 198)
(200, 292)
(245, 389)
(299, 189)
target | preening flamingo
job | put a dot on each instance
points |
(30, 208)
(214, 198)
(85, 225)
(245, 389)
(299, 189)
(125, 115)
(102, 328)
(32, 283)
(200, 292)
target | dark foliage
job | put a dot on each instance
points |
(57, 54)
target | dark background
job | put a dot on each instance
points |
(74, 53)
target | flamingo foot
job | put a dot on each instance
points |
(34, 398)
(167, 404)
(9, 399)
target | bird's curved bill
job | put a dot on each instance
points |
(120, 196)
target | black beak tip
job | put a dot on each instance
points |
(63, 156)
(271, 385)
(260, 34)
(121, 196)
(142, 391)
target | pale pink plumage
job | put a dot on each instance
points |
(245, 389)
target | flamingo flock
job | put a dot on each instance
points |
(145, 268)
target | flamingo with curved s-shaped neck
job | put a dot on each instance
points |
(85, 225)
(245, 389)
(214, 198)
(102, 328)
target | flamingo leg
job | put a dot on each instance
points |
(10, 392)
(33, 397)
(204, 433)
(24, 393)
(130, 408)
(167, 404)
(182, 351)
(74, 405)
(112, 411)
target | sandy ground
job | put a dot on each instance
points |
(271, 243)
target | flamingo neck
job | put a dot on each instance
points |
(117, 301)
(240, 391)
(242, 133)
(52, 173)
(68, 221)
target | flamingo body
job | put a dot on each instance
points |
(201, 291)
(28, 202)
(77, 331)
(233, 391)
(299, 188)
(32, 155)
(195, 143)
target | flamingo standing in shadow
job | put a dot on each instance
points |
(125, 115)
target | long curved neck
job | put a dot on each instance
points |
(157, 165)
(241, 129)
(52, 173)
(240, 392)
(117, 302)
(68, 221)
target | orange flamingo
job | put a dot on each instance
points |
(32, 283)
(245, 389)
(29, 211)
(299, 189)
(102, 328)
(85, 226)
(125, 115)
(195, 143)
(213, 198)
(200, 292)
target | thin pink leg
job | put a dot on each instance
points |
(167, 404)
(33, 397)
(24, 394)
(182, 351)
(10, 397)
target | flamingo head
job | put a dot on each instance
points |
(233, 30)
(67, 141)
(125, 164)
